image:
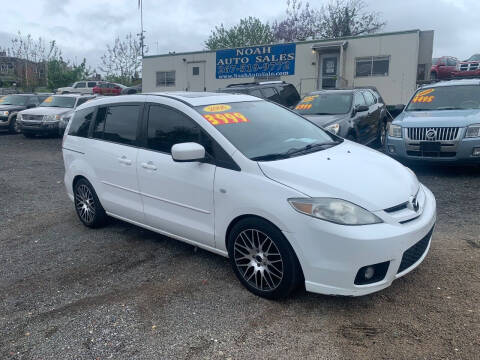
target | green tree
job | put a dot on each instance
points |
(250, 31)
(61, 73)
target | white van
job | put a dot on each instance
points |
(286, 201)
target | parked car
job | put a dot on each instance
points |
(132, 90)
(357, 114)
(52, 116)
(108, 88)
(79, 87)
(443, 68)
(10, 105)
(441, 123)
(242, 177)
(276, 91)
(469, 68)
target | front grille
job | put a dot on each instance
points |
(469, 67)
(415, 252)
(32, 117)
(32, 123)
(441, 154)
(439, 133)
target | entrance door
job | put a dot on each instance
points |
(328, 71)
(196, 76)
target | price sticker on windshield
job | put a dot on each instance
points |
(308, 99)
(2, 99)
(424, 96)
(303, 106)
(48, 99)
(217, 108)
(225, 118)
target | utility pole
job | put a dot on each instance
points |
(142, 32)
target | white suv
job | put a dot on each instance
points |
(287, 202)
(79, 87)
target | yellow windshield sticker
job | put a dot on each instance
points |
(422, 96)
(225, 118)
(217, 108)
(303, 106)
(2, 99)
(308, 99)
(48, 99)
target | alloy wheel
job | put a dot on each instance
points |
(258, 260)
(85, 203)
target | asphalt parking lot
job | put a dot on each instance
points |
(121, 292)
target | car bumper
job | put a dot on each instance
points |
(397, 148)
(39, 127)
(331, 255)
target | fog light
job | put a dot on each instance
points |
(369, 272)
(391, 149)
(476, 151)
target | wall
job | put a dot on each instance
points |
(396, 88)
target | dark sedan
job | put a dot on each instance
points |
(357, 115)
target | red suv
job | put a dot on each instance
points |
(469, 68)
(107, 88)
(443, 68)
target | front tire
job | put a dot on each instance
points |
(14, 127)
(263, 259)
(87, 205)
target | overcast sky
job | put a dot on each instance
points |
(83, 28)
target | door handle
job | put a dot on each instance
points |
(124, 160)
(149, 166)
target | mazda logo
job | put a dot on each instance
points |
(431, 134)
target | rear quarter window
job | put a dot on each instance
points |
(81, 121)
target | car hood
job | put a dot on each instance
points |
(11, 107)
(347, 171)
(47, 111)
(323, 120)
(451, 118)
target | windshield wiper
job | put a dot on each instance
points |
(305, 149)
(324, 114)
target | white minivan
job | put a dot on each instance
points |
(286, 201)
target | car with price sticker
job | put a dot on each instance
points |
(51, 116)
(358, 115)
(253, 181)
(441, 123)
(11, 105)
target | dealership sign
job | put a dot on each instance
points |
(256, 61)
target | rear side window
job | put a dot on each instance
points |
(81, 122)
(118, 124)
(270, 94)
(358, 99)
(289, 95)
(81, 101)
(167, 127)
(256, 93)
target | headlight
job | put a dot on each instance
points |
(473, 131)
(333, 128)
(334, 210)
(51, 118)
(5, 113)
(395, 131)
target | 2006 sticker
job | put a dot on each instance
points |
(217, 108)
(225, 118)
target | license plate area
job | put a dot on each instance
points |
(430, 146)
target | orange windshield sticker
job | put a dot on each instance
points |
(225, 118)
(422, 96)
(48, 99)
(308, 99)
(217, 108)
(303, 106)
(2, 99)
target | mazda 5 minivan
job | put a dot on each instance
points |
(286, 201)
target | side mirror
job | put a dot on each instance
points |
(29, 106)
(361, 108)
(187, 152)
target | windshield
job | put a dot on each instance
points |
(14, 100)
(59, 101)
(264, 131)
(325, 104)
(475, 57)
(446, 98)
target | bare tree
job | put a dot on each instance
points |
(122, 62)
(301, 23)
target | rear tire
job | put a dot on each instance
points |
(382, 135)
(87, 205)
(263, 259)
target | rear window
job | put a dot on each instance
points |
(325, 104)
(446, 98)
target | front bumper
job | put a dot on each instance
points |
(459, 152)
(331, 255)
(39, 127)
(4, 122)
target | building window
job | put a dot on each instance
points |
(372, 66)
(195, 71)
(165, 78)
